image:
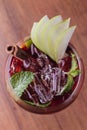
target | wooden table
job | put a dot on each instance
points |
(16, 19)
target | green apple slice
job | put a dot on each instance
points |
(43, 28)
(37, 30)
(33, 29)
(45, 31)
(52, 36)
(56, 30)
(61, 43)
(54, 20)
(33, 32)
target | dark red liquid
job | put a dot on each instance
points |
(38, 63)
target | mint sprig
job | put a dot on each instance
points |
(74, 71)
(74, 65)
(68, 85)
(20, 81)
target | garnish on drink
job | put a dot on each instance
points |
(45, 71)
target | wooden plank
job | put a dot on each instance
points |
(16, 19)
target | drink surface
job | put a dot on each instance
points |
(50, 77)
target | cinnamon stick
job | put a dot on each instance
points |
(16, 51)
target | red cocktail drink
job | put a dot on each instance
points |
(53, 87)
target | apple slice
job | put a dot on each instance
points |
(56, 30)
(46, 29)
(33, 31)
(61, 43)
(56, 19)
(52, 36)
(43, 27)
(36, 30)
(33, 28)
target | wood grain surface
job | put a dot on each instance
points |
(16, 19)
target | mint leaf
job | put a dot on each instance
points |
(20, 81)
(75, 73)
(38, 105)
(74, 65)
(68, 85)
